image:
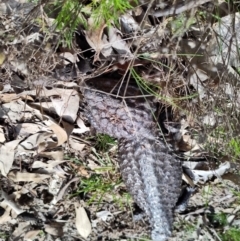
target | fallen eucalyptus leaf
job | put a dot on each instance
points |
(27, 177)
(7, 156)
(82, 222)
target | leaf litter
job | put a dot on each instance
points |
(41, 126)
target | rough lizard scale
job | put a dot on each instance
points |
(151, 174)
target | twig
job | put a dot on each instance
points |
(179, 8)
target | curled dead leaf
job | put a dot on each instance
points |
(58, 131)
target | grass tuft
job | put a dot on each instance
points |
(232, 234)
(104, 142)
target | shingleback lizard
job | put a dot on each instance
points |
(151, 173)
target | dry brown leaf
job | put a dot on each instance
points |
(26, 129)
(6, 98)
(54, 155)
(2, 136)
(188, 180)
(7, 156)
(105, 43)
(18, 111)
(20, 65)
(76, 145)
(63, 190)
(43, 106)
(105, 215)
(48, 144)
(20, 230)
(81, 170)
(32, 234)
(116, 41)
(10, 202)
(189, 141)
(82, 127)
(54, 228)
(66, 84)
(36, 112)
(7, 88)
(69, 56)
(82, 221)
(48, 165)
(67, 105)
(184, 146)
(27, 97)
(58, 131)
(43, 92)
(58, 171)
(38, 140)
(51, 167)
(27, 177)
(2, 57)
(93, 165)
(6, 215)
(201, 176)
(196, 79)
(94, 37)
(14, 110)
